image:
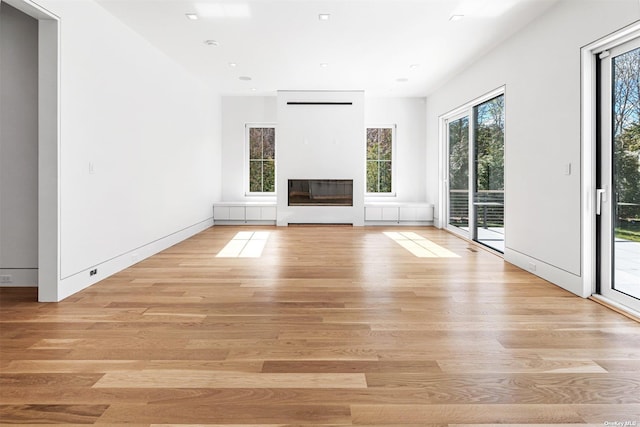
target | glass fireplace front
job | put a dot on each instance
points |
(320, 192)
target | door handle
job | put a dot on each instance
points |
(601, 196)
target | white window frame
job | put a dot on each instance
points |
(247, 160)
(458, 114)
(394, 161)
(589, 144)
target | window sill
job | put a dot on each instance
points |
(379, 195)
(261, 195)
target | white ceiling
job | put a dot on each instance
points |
(368, 44)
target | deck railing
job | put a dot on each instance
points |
(489, 208)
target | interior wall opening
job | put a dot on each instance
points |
(45, 173)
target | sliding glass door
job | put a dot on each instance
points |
(475, 172)
(618, 197)
(488, 173)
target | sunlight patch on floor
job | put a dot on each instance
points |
(245, 244)
(419, 246)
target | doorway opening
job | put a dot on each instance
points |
(43, 250)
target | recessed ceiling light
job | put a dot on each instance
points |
(211, 43)
(414, 66)
(454, 18)
(232, 64)
(245, 78)
(191, 16)
(324, 16)
(253, 89)
(324, 65)
(402, 80)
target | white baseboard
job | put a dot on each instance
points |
(557, 276)
(81, 280)
(18, 277)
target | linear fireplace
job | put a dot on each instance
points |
(320, 192)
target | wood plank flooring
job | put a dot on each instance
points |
(331, 326)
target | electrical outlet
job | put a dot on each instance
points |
(6, 278)
(93, 272)
(532, 266)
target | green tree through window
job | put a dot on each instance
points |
(489, 136)
(262, 163)
(379, 159)
(489, 163)
(626, 137)
(459, 172)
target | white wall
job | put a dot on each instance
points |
(237, 112)
(139, 140)
(18, 146)
(540, 67)
(408, 114)
(320, 142)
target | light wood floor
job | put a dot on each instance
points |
(331, 326)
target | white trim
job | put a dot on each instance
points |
(49, 149)
(570, 281)
(470, 104)
(78, 281)
(32, 9)
(617, 305)
(465, 109)
(246, 160)
(439, 219)
(49, 280)
(589, 145)
(394, 130)
(20, 277)
(467, 112)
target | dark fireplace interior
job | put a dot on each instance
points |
(320, 192)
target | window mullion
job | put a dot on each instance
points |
(378, 132)
(262, 160)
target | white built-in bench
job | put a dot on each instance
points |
(265, 213)
(398, 213)
(233, 213)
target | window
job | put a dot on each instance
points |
(380, 144)
(262, 159)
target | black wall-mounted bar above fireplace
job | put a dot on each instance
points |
(319, 103)
(320, 192)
